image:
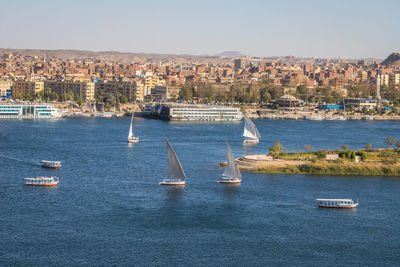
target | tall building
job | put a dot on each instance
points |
(23, 87)
(239, 63)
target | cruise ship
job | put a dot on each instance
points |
(28, 111)
(202, 113)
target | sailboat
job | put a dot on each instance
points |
(175, 173)
(250, 131)
(231, 174)
(131, 138)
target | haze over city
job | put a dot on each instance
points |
(345, 29)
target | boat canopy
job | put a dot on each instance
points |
(338, 200)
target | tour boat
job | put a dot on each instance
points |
(250, 131)
(345, 203)
(231, 174)
(51, 164)
(42, 181)
(175, 174)
(131, 138)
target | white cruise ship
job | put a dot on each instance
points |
(204, 113)
(28, 111)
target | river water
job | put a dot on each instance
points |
(109, 209)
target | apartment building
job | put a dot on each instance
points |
(24, 87)
(6, 88)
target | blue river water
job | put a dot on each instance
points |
(109, 209)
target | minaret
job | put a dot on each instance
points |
(378, 87)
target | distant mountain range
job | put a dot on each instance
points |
(129, 57)
(393, 59)
(231, 54)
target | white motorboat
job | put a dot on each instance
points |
(51, 164)
(42, 181)
(345, 203)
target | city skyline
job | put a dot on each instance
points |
(359, 29)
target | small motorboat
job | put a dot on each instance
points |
(345, 203)
(42, 181)
(51, 164)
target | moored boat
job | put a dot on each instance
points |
(345, 203)
(250, 131)
(175, 174)
(42, 181)
(51, 164)
(231, 174)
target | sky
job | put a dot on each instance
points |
(302, 28)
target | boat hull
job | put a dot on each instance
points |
(338, 207)
(249, 141)
(172, 183)
(41, 184)
(133, 141)
(50, 167)
(229, 182)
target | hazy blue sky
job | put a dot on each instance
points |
(335, 28)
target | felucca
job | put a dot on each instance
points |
(231, 174)
(175, 174)
(250, 131)
(131, 138)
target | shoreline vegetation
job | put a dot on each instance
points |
(363, 162)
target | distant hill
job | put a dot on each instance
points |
(393, 59)
(230, 54)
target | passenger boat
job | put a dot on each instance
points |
(25, 110)
(250, 131)
(231, 174)
(175, 174)
(42, 181)
(51, 164)
(131, 138)
(345, 203)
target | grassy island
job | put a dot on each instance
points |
(365, 162)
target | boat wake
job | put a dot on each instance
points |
(20, 160)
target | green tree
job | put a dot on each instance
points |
(70, 96)
(28, 97)
(78, 100)
(186, 92)
(368, 147)
(390, 141)
(321, 154)
(123, 99)
(307, 148)
(53, 96)
(275, 150)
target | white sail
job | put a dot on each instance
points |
(94, 108)
(174, 166)
(250, 130)
(130, 135)
(231, 170)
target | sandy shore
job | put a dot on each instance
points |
(257, 162)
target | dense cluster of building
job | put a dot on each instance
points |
(22, 75)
